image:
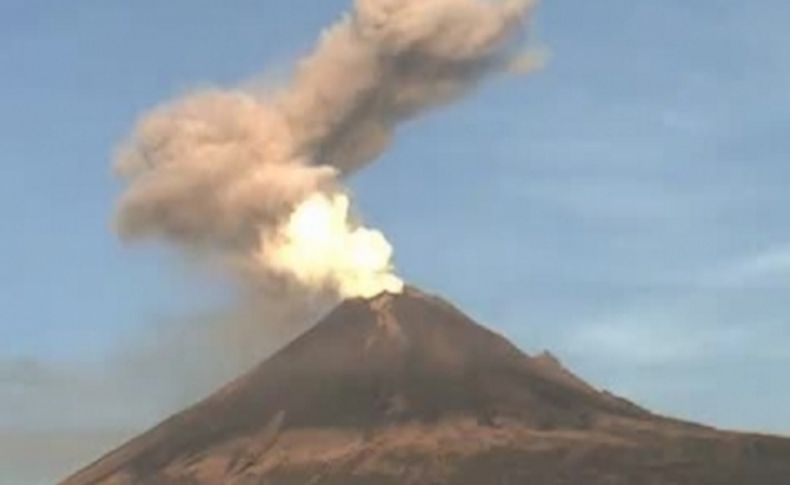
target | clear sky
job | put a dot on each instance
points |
(626, 207)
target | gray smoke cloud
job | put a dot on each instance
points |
(219, 171)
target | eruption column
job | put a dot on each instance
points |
(257, 181)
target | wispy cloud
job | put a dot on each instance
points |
(720, 312)
(768, 267)
(641, 338)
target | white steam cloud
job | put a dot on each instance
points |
(318, 248)
(257, 181)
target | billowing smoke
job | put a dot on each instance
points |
(257, 180)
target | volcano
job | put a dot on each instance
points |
(406, 389)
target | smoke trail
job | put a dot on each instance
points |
(231, 173)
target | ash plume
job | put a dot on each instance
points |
(246, 178)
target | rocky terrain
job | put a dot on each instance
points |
(405, 389)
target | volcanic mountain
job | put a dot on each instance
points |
(405, 389)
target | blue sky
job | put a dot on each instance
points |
(626, 207)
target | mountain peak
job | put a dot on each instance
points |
(375, 378)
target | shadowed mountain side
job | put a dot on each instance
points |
(406, 389)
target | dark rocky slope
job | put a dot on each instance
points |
(405, 389)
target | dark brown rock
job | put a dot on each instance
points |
(405, 389)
